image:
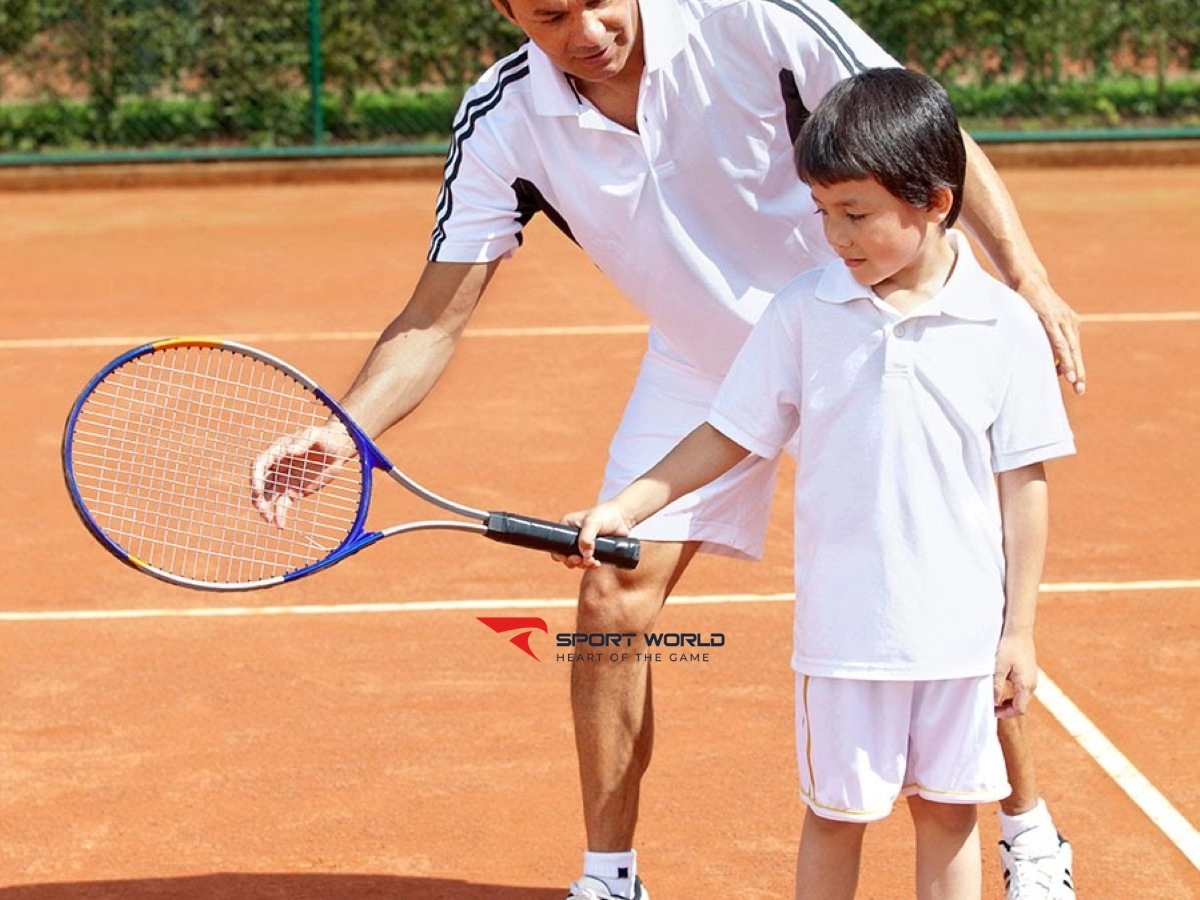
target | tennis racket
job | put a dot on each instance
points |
(162, 447)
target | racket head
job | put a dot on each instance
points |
(157, 456)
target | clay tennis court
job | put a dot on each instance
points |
(360, 735)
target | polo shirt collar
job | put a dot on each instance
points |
(663, 37)
(964, 296)
(663, 32)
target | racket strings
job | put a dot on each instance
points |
(162, 454)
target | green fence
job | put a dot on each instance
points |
(113, 79)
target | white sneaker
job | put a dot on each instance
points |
(1032, 873)
(589, 888)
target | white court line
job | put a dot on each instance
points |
(1103, 587)
(1117, 766)
(225, 612)
(84, 343)
(218, 612)
(1136, 786)
(1101, 318)
(76, 343)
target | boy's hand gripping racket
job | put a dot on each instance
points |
(169, 450)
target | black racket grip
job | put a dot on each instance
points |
(553, 537)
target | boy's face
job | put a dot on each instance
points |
(591, 40)
(882, 239)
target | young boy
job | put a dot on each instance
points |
(923, 401)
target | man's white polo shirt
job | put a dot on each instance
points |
(698, 217)
(903, 422)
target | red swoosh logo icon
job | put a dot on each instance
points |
(523, 624)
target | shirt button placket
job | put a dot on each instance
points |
(898, 349)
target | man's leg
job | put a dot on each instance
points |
(1018, 760)
(1036, 859)
(612, 702)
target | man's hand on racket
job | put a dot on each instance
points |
(604, 518)
(295, 466)
(1015, 676)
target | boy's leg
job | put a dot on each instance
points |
(613, 707)
(851, 739)
(1035, 858)
(948, 852)
(829, 858)
(955, 763)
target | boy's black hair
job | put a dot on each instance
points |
(893, 125)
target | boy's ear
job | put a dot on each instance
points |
(941, 204)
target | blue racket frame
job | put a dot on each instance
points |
(504, 527)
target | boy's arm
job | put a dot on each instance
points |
(699, 458)
(1024, 508)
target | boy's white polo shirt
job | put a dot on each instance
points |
(698, 216)
(903, 422)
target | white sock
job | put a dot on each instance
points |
(1038, 817)
(617, 870)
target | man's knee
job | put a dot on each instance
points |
(609, 603)
(628, 601)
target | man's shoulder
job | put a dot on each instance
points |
(809, 12)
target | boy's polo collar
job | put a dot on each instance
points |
(663, 36)
(964, 296)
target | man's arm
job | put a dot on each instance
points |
(991, 216)
(402, 368)
(413, 351)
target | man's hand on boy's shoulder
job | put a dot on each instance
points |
(1062, 326)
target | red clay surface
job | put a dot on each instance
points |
(417, 754)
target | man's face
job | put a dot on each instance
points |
(591, 40)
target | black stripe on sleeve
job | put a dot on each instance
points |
(826, 32)
(513, 70)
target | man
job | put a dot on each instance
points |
(657, 134)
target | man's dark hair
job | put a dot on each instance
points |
(893, 125)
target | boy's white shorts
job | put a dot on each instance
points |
(729, 516)
(862, 744)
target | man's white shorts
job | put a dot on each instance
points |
(729, 516)
(863, 744)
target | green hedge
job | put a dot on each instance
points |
(103, 75)
(147, 122)
(1123, 102)
(424, 117)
